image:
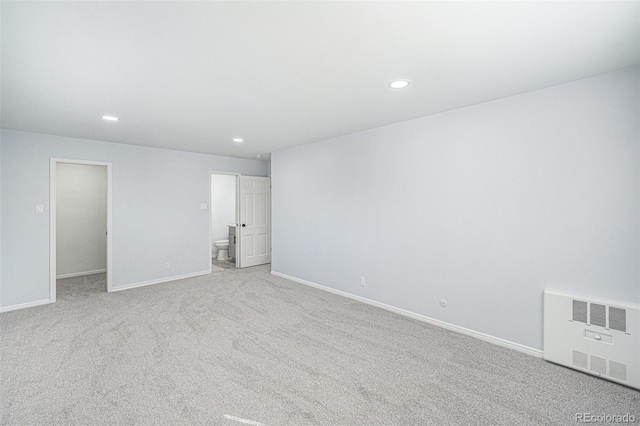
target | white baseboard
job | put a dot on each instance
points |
(462, 330)
(24, 305)
(81, 274)
(158, 281)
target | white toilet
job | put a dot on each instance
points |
(223, 249)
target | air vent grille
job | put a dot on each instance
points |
(580, 311)
(580, 359)
(618, 370)
(599, 365)
(598, 315)
(617, 319)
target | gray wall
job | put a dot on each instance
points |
(484, 206)
(81, 218)
(156, 209)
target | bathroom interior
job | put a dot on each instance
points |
(223, 220)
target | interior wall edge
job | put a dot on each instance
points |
(158, 281)
(81, 274)
(24, 305)
(448, 326)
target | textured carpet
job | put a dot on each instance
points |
(244, 346)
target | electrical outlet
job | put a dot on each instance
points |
(167, 265)
(363, 282)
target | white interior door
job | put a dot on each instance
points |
(255, 221)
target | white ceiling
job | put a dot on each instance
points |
(192, 76)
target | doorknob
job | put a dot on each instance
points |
(243, 225)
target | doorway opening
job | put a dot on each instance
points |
(80, 227)
(223, 220)
(239, 221)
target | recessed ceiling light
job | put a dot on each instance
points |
(110, 118)
(399, 84)
(238, 140)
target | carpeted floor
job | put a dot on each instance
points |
(241, 346)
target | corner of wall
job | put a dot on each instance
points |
(1, 217)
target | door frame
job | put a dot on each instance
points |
(237, 175)
(241, 218)
(52, 220)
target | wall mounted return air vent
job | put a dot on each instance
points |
(596, 336)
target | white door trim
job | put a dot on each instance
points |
(52, 220)
(237, 175)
